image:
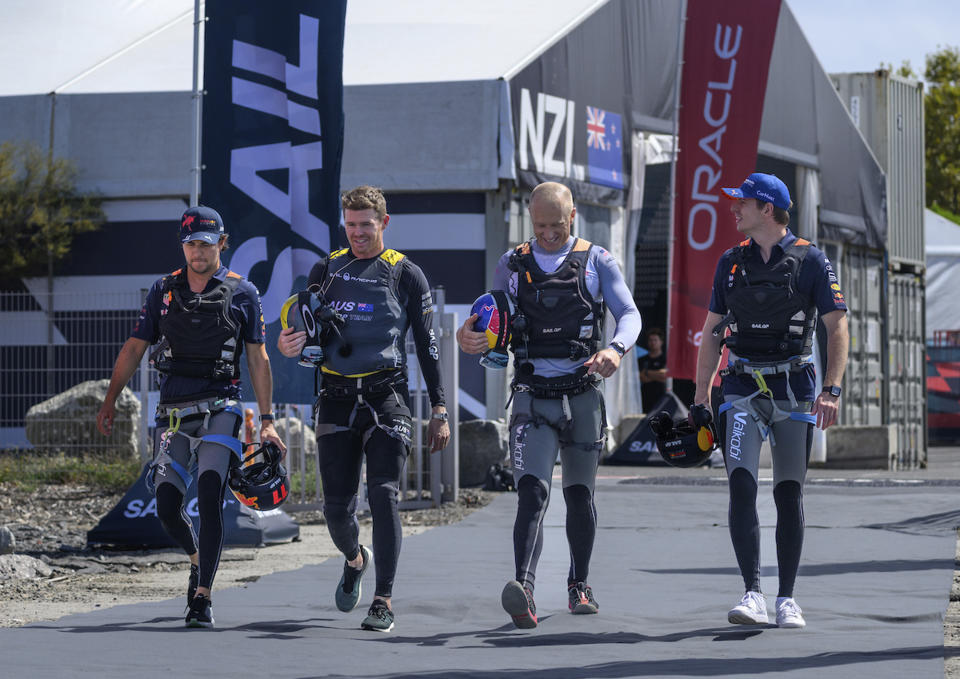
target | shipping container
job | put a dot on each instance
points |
(906, 374)
(888, 111)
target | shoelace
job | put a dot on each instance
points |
(751, 600)
(380, 611)
(789, 608)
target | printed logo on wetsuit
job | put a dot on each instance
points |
(736, 436)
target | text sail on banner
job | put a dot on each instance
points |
(726, 59)
(273, 141)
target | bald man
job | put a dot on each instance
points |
(559, 285)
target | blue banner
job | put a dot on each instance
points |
(272, 145)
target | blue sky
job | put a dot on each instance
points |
(857, 35)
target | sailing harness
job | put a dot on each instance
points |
(557, 316)
(771, 326)
(175, 414)
(199, 337)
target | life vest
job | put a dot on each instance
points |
(771, 319)
(557, 316)
(364, 292)
(199, 337)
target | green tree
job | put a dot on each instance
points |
(942, 111)
(41, 210)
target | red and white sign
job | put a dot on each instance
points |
(726, 58)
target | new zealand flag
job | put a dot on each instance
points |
(604, 148)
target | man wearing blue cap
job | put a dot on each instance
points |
(201, 317)
(767, 295)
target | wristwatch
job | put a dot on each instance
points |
(832, 390)
(619, 348)
(267, 417)
(443, 417)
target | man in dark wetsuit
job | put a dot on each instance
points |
(768, 292)
(363, 407)
(203, 316)
(560, 285)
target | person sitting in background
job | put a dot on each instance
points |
(653, 370)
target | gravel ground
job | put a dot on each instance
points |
(50, 525)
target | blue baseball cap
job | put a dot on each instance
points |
(765, 187)
(201, 223)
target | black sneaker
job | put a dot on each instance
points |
(379, 617)
(193, 583)
(200, 613)
(580, 599)
(348, 589)
(517, 600)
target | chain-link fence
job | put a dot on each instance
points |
(56, 357)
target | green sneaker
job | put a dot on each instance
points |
(379, 617)
(348, 589)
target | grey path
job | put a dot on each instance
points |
(663, 572)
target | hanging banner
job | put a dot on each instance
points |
(726, 58)
(272, 144)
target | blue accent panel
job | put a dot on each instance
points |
(226, 441)
(181, 472)
(724, 408)
(804, 417)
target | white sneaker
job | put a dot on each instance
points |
(789, 614)
(752, 610)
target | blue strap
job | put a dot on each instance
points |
(724, 408)
(225, 441)
(235, 409)
(804, 417)
(181, 472)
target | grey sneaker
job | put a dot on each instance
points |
(379, 617)
(517, 600)
(752, 610)
(348, 589)
(580, 599)
(789, 614)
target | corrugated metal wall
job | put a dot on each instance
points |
(861, 281)
(907, 391)
(888, 111)
(886, 372)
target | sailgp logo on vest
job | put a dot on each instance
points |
(736, 435)
(759, 326)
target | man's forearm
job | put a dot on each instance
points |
(838, 345)
(261, 378)
(127, 362)
(708, 360)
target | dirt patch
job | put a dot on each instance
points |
(50, 525)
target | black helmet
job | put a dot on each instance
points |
(682, 443)
(261, 485)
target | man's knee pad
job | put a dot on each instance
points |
(787, 494)
(339, 509)
(531, 493)
(743, 487)
(578, 497)
(169, 505)
(209, 493)
(382, 491)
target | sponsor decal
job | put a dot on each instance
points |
(348, 278)
(138, 509)
(834, 286)
(736, 435)
(642, 447)
(518, 446)
(759, 326)
(364, 307)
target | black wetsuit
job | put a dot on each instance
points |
(363, 408)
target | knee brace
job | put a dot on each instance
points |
(339, 509)
(531, 494)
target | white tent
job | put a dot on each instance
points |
(943, 272)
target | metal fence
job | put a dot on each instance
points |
(53, 343)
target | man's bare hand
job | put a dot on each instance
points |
(291, 343)
(471, 341)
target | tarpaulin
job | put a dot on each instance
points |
(726, 58)
(272, 144)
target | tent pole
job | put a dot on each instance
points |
(195, 137)
(673, 172)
